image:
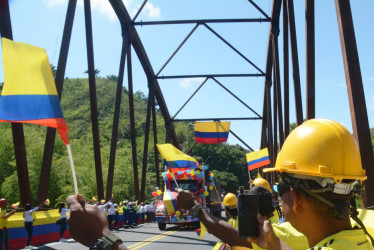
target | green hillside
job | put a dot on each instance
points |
(228, 161)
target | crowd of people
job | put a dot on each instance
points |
(318, 167)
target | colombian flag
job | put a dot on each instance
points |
(29, 92)
(175, 159)
(220, 246)
(15, 205)
(211, 132)
(257, 159)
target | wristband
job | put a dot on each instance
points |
(106, 242)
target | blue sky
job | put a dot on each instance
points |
(41, 22)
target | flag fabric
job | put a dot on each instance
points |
(47, 202)
(29, 92)
(220, 246)
(211, 132)
(174, 159)
(15, 205)
(170, 201)
(257, 159)
(201, 231)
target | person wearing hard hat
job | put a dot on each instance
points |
(318, 165)
(230, 201)
(262, 183)
(4, 234)
(228, 233)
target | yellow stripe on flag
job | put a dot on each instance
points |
(202, 231)
(212, 126)
(257, 154)
(30, 74)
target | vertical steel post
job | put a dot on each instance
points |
(93, 100)
(286, 105)
(295, 63)
(45, 171)
(310, 60)
(357, 104)
(17, 128)
(117, 109)
(154, 123)
(146, 140)
(132, 125)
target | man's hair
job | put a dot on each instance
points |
(233, 212)
(265, 201)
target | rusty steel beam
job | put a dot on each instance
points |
(217, 119)
(126, 22)
(357, 104)
(295, 63)
(277, 89)
(286, 102)
(17, 128)
(93, 100)
(132, 125)
(59, 79)
(146, 141)
(154, 124)
(211, 75)
(310, 60)
(117, 109)
(204, 21)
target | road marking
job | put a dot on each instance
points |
(150, 240)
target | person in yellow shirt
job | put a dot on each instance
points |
(318, 166)
(229, 234)
(4, 235)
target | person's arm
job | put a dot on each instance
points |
(219, 228)
(87, 224)
(267, 238)
(6, 216)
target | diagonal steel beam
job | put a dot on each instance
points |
(129, 29)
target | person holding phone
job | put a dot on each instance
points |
(229, 234)
(319, 164)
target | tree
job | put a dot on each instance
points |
(96, 71)
(112, 77)
(54, 70)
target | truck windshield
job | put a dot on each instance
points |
(190, 185)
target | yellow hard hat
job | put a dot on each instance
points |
(261, 182)
(230, 201)
(321, 148)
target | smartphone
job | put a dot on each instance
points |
(247, 212)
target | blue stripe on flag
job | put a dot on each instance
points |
(258, 160)
(29, 107)
(211, 134)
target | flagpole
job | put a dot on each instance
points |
(72, 169)
(176, 183)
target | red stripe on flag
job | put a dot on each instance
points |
(259, 164)
(209, 140)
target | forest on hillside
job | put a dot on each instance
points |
(226, 161)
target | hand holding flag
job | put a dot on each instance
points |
(47, 202)
(15, 205)
(29, 92)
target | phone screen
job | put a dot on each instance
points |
(247, 212)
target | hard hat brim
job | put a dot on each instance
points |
(337, 178)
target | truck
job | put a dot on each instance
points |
(201, 183)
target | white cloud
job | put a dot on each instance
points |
(105, 8)
(53, 3)
(152, 11)
(186, 83)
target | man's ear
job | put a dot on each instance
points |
(298, 199)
